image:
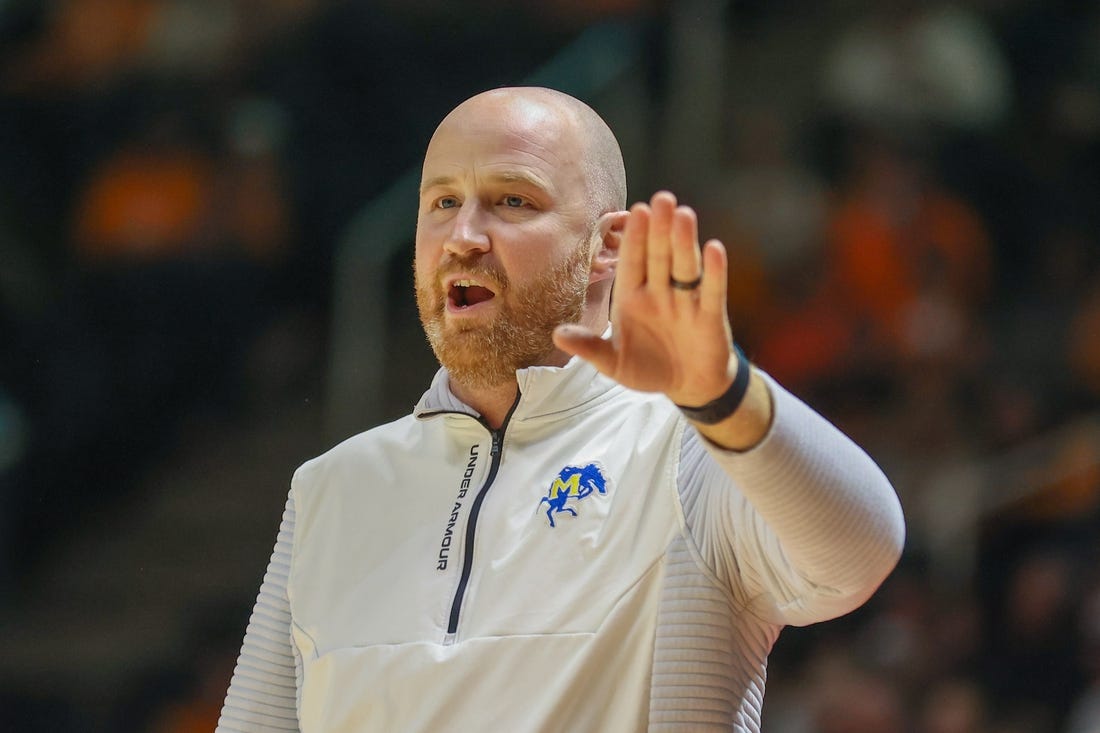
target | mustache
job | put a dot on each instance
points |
(476, 265)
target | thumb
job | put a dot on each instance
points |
(579, 341)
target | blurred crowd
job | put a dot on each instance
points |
(916, 250)
(914, 243)
(175, 175)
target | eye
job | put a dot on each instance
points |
(514, 202)
(446, 202)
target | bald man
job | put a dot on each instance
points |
(599, 516)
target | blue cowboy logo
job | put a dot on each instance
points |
(573, 482)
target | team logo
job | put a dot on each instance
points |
(573, 483)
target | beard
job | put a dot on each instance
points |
(488, 353)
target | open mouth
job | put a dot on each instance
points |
(466, 293)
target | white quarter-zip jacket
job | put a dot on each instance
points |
(592, 565)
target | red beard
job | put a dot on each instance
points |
(488, 353)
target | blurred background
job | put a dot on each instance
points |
(206, 215)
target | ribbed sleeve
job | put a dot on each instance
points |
(804, 527)
(263, 692)
(708, 661)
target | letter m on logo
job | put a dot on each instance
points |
(573, 482)
(568, 487)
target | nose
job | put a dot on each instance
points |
(467, 231)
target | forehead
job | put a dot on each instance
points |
(499, 137)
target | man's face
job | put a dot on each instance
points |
(503, 238)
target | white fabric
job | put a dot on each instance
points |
(653, 608)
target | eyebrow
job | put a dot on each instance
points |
(504, 177)
(437, 181)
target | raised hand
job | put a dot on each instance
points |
(670, 329)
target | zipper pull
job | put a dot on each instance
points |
(494, 449)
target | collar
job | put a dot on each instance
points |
(544, 391)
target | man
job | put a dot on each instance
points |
(603, 543)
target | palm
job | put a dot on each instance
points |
(665, 339)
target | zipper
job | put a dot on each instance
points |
(497, 438)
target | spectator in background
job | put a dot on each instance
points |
(84, 44)
(899, 243)
(908, 272)
(771, 210)
(933, 74)
(88, 44)
(176, 245)
(150, 200)
(253, 212)
(810, 342)
(918, 68)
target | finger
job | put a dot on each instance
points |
(663, 204)
(712, 293)
(686, 260)
(579, 341)
(632, 250)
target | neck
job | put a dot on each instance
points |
(492, 403)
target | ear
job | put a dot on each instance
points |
(605, 255)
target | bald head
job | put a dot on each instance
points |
(576, 132)
(521, 209)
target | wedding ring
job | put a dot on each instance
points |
(681, 285)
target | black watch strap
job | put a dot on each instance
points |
(725, 405)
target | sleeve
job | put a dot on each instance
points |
(263, 693)
(803, 527)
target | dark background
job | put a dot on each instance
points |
(910, 199)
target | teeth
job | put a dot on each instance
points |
(464, 283)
